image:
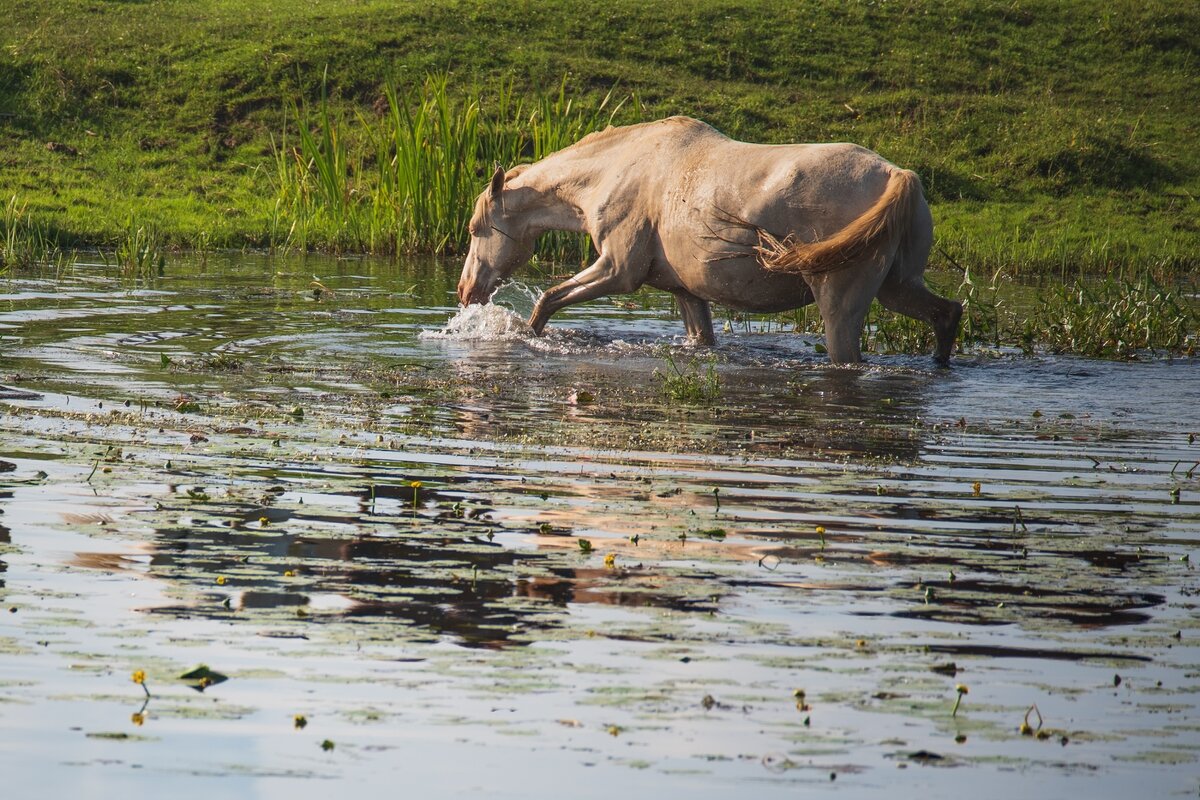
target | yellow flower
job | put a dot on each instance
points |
(222, 580)
(961, 688)
(137, 718)
(610, 560)
(291, 573)
(820, 530)
(976, 488)
(415, 484)
(139, 676)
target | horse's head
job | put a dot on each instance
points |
(500, 243)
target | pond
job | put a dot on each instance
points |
(469, 562)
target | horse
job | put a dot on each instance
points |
(679, 206)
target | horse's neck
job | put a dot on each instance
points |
(559, 182)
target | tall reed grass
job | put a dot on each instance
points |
(23, 241)
(140, 253)
(406, 180)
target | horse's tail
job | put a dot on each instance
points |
(882, 226)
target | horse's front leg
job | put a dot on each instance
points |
(604, 277)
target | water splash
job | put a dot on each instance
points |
(489, 323)
(502, 319)
(517, 296)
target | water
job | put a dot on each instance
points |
(219, 469)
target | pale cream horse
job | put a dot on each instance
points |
(679, 206)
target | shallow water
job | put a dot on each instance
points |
(218, 469)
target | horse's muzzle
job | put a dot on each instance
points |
(471, 292)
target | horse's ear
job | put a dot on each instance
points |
(497, 182)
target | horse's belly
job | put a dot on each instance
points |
(737, 283)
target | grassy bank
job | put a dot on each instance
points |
(1053, 137)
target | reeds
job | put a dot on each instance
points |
(405, 181)
(23, 241)
(140, 253)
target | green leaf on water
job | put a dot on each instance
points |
(164, 360)
(712, 533)
(202, 677)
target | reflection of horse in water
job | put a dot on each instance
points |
(458, 585)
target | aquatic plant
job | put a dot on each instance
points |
(1112, 319)
(693, 382)
(140, 252)
(139, 677)
(959, 689)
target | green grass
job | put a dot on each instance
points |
(1054, 138)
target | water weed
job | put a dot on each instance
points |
(1112, 319)
(694, 382)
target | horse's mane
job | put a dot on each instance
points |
(613, 131)
(612, 135)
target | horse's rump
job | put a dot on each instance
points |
(883, 224)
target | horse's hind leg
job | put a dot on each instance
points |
(910, 296)
(697, 317)
(843, 298)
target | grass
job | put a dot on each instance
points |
(1114, 319)
(1054, 138)
(140, 253)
